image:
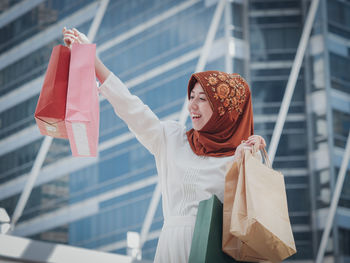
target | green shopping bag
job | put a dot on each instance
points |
(207, 237)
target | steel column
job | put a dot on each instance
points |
(334, 202)
(292, 80)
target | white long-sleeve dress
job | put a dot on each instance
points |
(185, 178)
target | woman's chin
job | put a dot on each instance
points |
(197, 127)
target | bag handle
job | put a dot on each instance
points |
(266, 157)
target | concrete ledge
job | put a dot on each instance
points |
(18, 249)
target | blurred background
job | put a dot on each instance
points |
(154, 47)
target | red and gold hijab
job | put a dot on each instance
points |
(232, 119)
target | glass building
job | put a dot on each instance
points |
(154, 47)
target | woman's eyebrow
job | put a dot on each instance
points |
(202, 92)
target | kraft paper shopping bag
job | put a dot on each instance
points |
(260, 213)
(231, 245)
(82, 110)
(51, 107)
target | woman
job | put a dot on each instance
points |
(191, 165)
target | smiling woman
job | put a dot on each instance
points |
(191, 165)
(199, 107)
(221, 112)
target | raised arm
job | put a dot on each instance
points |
(140, 119)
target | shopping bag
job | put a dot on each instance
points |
(231, 245)
(207, 235)
(82, 110)
(51, 107)
(260, 213)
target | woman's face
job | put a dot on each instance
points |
(199, 107)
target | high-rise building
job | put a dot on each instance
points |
(154, 46)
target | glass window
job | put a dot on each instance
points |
(273, 4)
(237, 20)
(339, 84)
(5, 5)
(26, 69)
(286, 20)
(339, 66)
(43, 199)
(344, 241)
(112, 222)
(18, 162)
(339, 17)
(18, 117)
(341, 127)
(267, 95)
(56, 235)
(151, 48)
(273, 43)
(298, 199)
(36, 20)
(344, 200)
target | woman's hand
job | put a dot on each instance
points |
(254, 142)
(71, 36)
(257, 142)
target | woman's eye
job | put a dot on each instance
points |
(191, 97)
(202, 99)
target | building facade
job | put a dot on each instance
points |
(154, 47)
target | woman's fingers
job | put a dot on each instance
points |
(69, 40)
(82, 37)
(256, 141)
(71, 36)
(76, 32)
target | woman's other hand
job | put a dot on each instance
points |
(257, 142)
(71, 36)
(254, 142)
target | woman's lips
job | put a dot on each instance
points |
(196, 116)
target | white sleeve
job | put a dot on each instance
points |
(140, 119)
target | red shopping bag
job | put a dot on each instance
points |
(51, 108)
(82, 110)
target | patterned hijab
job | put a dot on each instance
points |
(232, 120)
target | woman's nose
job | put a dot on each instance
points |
(193, 104)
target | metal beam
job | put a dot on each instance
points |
(184, 112)
(150, 215)
(205, 51)
(39, 160)
(292, 80)
(97, 20)
(228, 37)
(334, 202)
(45, 146)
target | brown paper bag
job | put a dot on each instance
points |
(260, 213)
(231, 245)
